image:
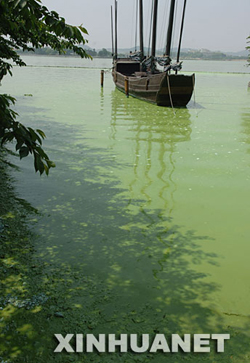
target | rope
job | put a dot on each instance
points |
(137, 56)
(170, 97)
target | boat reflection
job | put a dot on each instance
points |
(153, 135)
(246, 127)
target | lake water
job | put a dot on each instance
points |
(150, 204)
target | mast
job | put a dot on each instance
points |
(136, 24)
(182, 25)
(115, 55)
(112, 31)
(141, 28)
(154, 28)
(170, 27)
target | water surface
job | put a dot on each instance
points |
(151, 201)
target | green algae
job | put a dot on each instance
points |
(41, 298)
(142, 226)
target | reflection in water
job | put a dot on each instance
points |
(154, 133)
(246, 127)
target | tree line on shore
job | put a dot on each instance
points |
(189, 54)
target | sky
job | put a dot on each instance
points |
(209, 24)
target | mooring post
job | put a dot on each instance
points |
(102, 77)
(126, 87)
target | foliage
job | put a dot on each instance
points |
(205, 55)
(25, 25)
(104, 53)
(27, 139)
(92, 52)
(67, 52)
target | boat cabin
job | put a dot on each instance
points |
(127, 66)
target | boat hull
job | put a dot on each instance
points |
(161, 88)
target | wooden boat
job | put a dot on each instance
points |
(139, 76)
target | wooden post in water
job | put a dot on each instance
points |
(102, 77)
(126, 86)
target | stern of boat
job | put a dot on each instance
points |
(176, 90)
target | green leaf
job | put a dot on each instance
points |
(55, 14)
(23, 152)
(39, 166)
(50, 20)
(83, 29)
(41, 133)
(68, 31)
(19, 145)
(8, 137)
(46, 169)
(58, 29)
(16, 3)
(50, 164)
(20, 3)
(42, 153)
(34, 136)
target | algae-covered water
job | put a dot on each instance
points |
(144, 223)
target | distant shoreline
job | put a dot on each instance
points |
(122, 55)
